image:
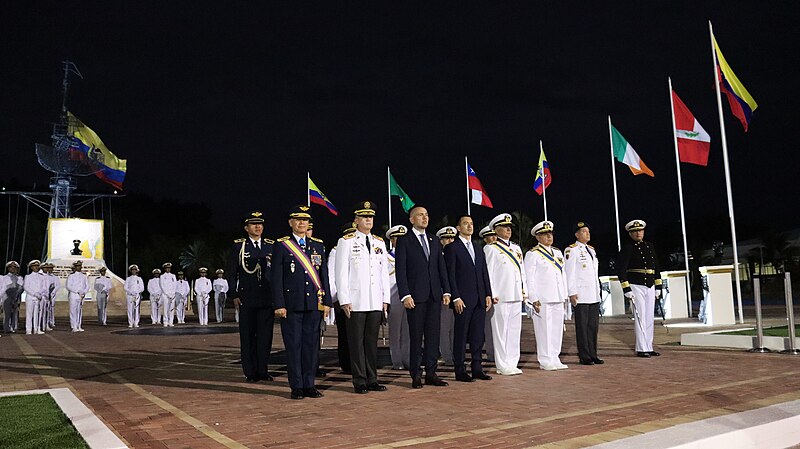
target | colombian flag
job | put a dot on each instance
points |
(316, 196)
(86, 143)
(741, 102)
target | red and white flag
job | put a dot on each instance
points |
(479, 195)
(694, 143)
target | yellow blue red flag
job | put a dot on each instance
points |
(87, 143)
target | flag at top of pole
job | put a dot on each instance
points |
(694, 143)
(396, 190)
(624, 152)
(479, 195)
(316, 196)
(543, 178)
(741, 102)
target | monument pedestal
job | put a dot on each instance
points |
(719, 295)
(675, 300)
(612, 299)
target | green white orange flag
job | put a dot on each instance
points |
(625, 153)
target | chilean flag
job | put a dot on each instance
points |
(479, 195)
(694, 143)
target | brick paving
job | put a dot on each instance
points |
(188, 392)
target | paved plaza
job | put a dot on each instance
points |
(187, 391)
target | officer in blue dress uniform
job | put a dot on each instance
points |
(248, 275)
(301, 298)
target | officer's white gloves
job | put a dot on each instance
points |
(630, 296)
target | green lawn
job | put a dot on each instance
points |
(36, 422)
(780, 331)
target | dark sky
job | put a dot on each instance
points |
(231, 106)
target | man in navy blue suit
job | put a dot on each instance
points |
(301, 297)
(472, 298)
(421, 283)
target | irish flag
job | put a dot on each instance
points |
(694, 143)
(625, 153)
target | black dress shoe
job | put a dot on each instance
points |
(645, 355)
(297, 393)
(266, 377)
(655, 354)
(251, 379)
(416, 382)
(376, 387)
(464, 378)
(312, 392)
(361, 389)
(598, 361)
(482, 376)
(587, 362)
(436, 381)
(320, 373)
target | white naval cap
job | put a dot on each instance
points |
(446, 232)
(34, 262)
(396, 231)
(202, 270)
(133, 267)
(635, 225)
(542, 227)
(156, 271)
(12, 263)
(500, 220)
(219, 271)
(486, 231)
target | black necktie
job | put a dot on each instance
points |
(367, 240)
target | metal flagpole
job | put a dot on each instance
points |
(308, 189)
(544, 180)
(727, 178)
(389, 191)
(680, 196)
(614, 177)
(469, 196)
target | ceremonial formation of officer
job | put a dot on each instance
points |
(640, 277)
(363, 292)
(220, 286)
(182, 290)
(102, 286)
(248, 281)
(168, 284)
(544, 269)
(36, 290)
(134, 286)
(338, 316)
(301, 299)
(11, 294)
(582, 269)
(77, 287)
(154, 293)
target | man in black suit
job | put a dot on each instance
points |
(472, 298)
(421, 283)
(247, 270)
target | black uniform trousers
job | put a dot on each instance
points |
(342, 344)
(587, 321)
(469, 327)
(362, 335)
(255, 339)
(423, 325)
(300, 331)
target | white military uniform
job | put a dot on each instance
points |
(102, 285)
(510, 287)
(77, 286)
(202, 288)
(154, 289)
(134, 286)
(13, 286)
(332, 284)
(220, 292)
(168, 284)
(582, 270)
(36, 290)
(544, 267)
(53, 288)
(181, 294)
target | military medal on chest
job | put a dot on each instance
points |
(291, 266)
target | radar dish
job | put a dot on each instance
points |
(66, 157)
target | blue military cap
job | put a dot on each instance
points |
(300, 211)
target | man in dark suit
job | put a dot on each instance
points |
(421, 283)
(301, 297)
(248, 270)
(472, 298)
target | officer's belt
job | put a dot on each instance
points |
(639, 270)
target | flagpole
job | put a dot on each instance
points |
(680, 196)
(727, 177)
(544, 180)
(614, 177)
(389, 190)
(469, 197)
(308, 189)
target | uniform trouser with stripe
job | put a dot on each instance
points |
(75, 311)
(133, 310)
(362, 336)
(168, 303)
(506, 332)
(587, 320)
(342, 344)
(155, 309)
(423, 327)
(398, 334)
(300, 332)
(32, 314)
(548, 326)
(202, 309)
(645, 300)
(102, 306)
(219, 302)
(180, 307)
(446, 335)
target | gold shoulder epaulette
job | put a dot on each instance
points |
(377, 237)
(590, 246)
(349, 236)
(555, 247)
(283, 239)
(572, 246)
(239, 240)
(316, 239)
(270, 241)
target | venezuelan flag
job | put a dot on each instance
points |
(86, 143)
(316, 196)
(741, 102)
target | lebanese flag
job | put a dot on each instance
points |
(694, 143)
(479, 195)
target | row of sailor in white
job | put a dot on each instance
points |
(510, 288)
(154, 290)
(544, 267)
(35, 285)
(399, 337)
(168, 284)
(362, 272)
(220, 286)
(181, 296)
(102, 286)
(77, 286)
(134, 286)
(202, 288)
(47, 315)
(12, 284)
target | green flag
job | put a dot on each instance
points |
(396, 190)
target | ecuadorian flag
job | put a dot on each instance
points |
(87, 142)
(316, 196)
(543, 179)
(741, 102)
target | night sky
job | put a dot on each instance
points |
(230, 107)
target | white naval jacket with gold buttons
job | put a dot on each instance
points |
(582, 273)
(362, 275)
